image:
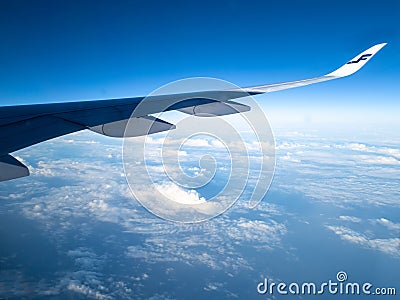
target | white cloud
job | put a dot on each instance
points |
(214, 286)
(82, 289)
(156, 169)
(376, 159)
(196, 143)
(217, 144)
(332, 172)
(389, 224)
(350, 219)
(94, 191)
(91, 190)
(352, 146)
(286, 145)
(289, 157)
(257, 232)
(389, 245)
(182, 153)
(68, 141)
(175, 193)
(359, 147)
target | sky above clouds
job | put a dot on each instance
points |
(82, 50)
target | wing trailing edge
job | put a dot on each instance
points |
(11, 168)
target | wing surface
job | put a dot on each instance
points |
(25, 125)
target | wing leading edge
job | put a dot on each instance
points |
(25, 125)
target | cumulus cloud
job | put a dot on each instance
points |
(180, 195)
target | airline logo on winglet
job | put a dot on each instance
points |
(362, 57)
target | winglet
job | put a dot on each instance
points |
(357, 62)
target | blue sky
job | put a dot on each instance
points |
(52, 51)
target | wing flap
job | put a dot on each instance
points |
(11, 168)
(216, 108)
(133, 127)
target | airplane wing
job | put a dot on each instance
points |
(25, 125)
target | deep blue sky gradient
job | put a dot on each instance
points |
(54, 51)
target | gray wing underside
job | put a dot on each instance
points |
(25, 125)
